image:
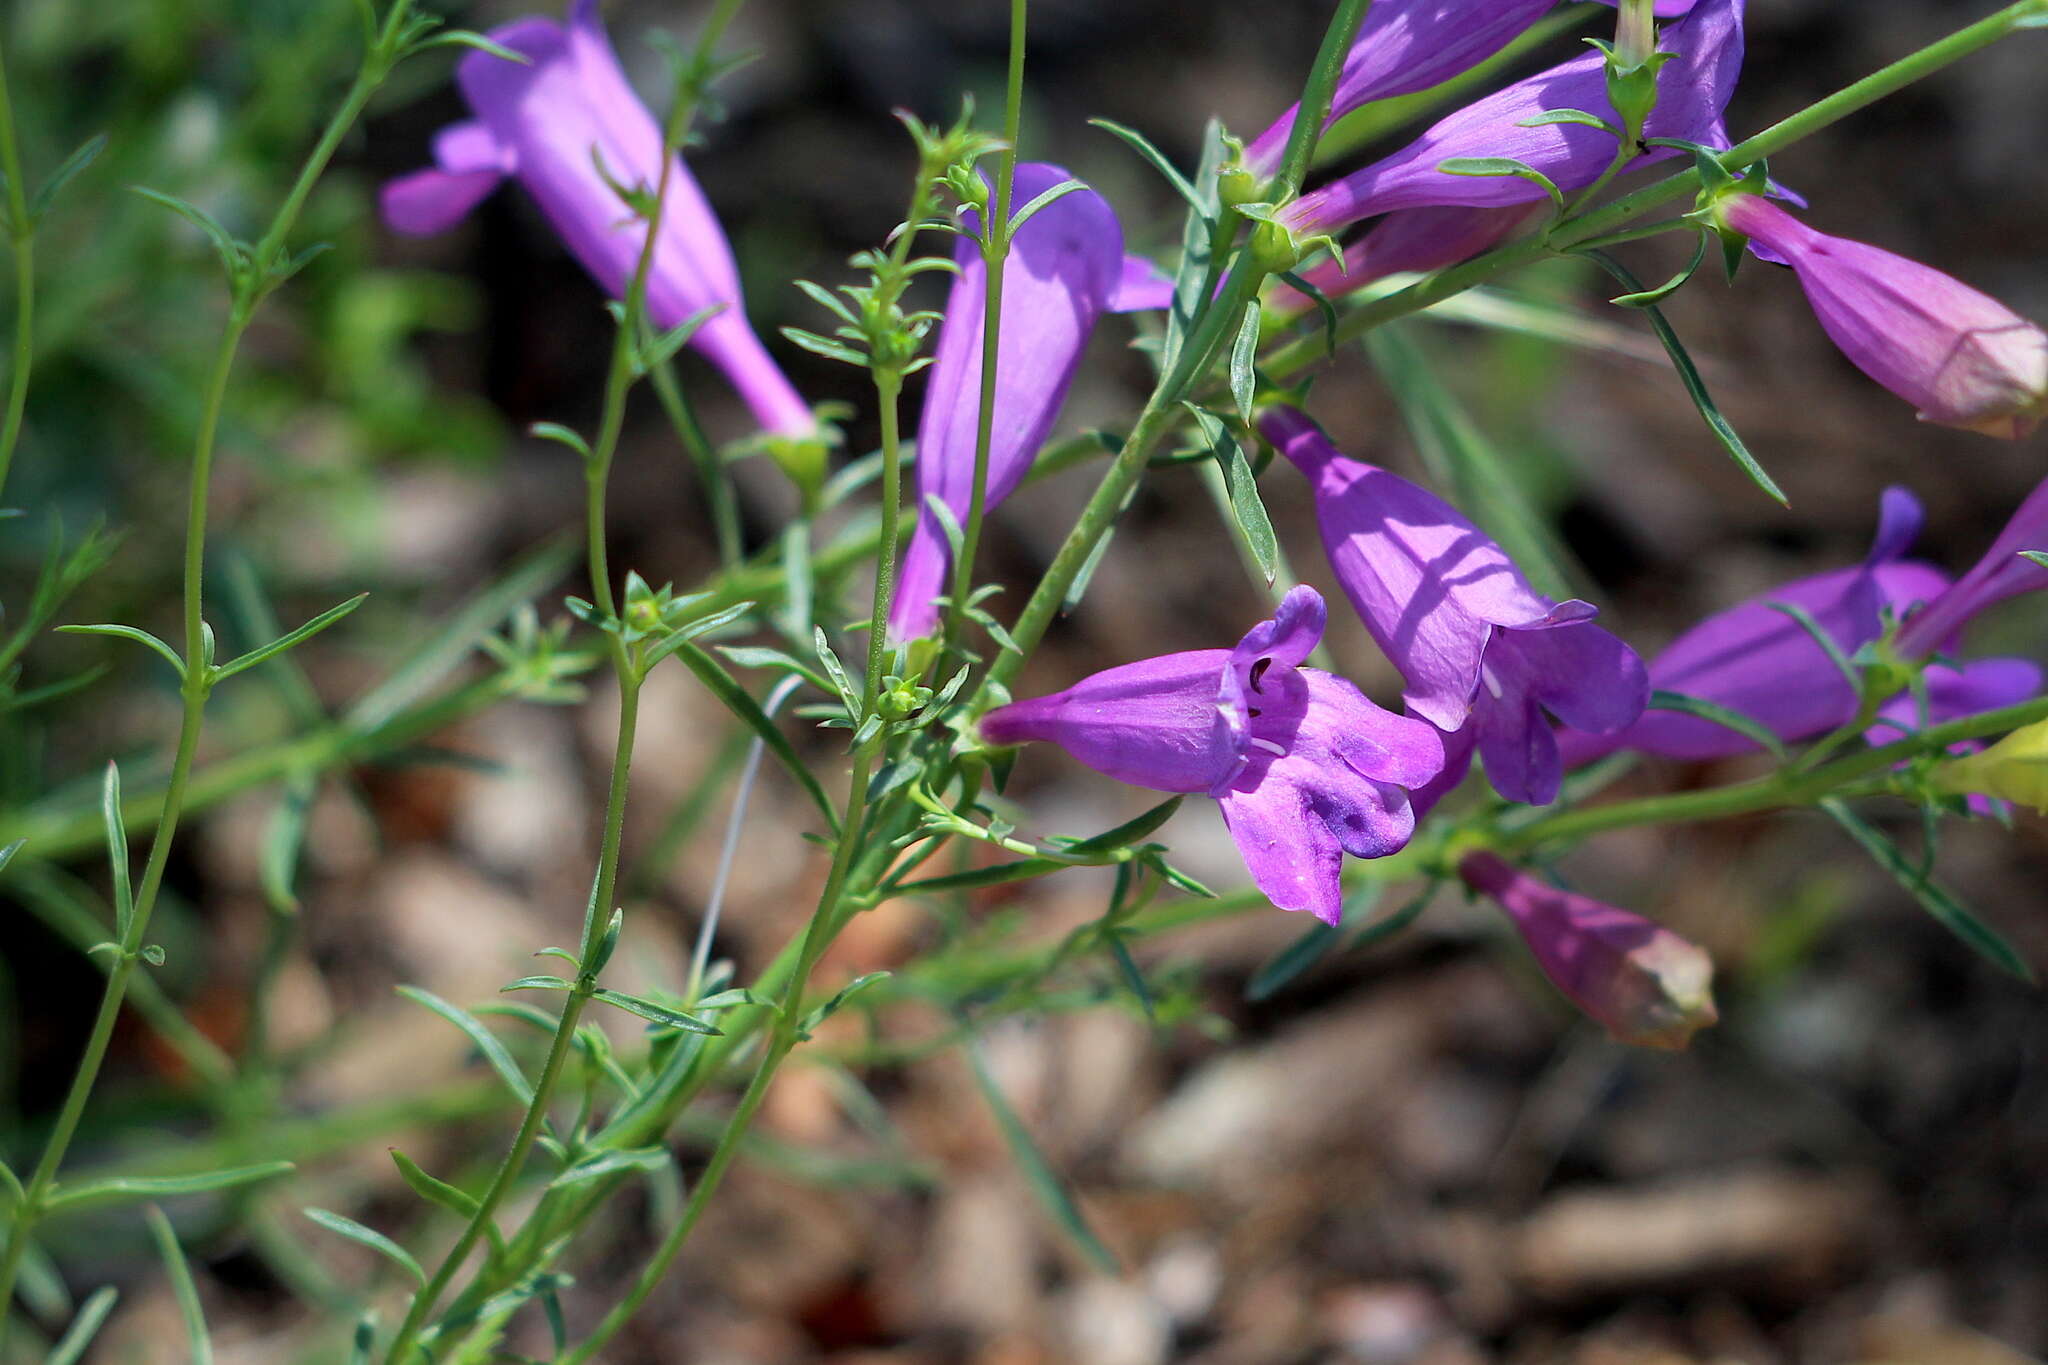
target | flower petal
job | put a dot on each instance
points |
(1155, 723)
(431, 201)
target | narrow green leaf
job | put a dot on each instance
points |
(1127, 966)
(1194, 283)
(462, 37)
(284, 840)
(434, 1191)
(799, 581)
(117, 851)
(1578, 116)
(659, 350)
(612, 1163)
(1645, 298)
(1716, 714)
(1695, 384)
(1250, 522)
(234, 256)
(371, 1238)
(539, 983)
(486, 1042)
(1155, 158)
(1379, 931)
(197, 1341)
(445, 648)
(736, 700)
(47, 193)
(835, 670)
(561, 435)
(659, 1014)
(140, 637)
(84, 1327)
(755, 656)
(838, 999)
(1829, 646)
(303, 633)
(1039, 1174)
(1132, 831)
(2039, 557)
(1291, 961)
(1935, 899)
(121, 1189)
(1244, 354)
(1019, 217)
(1486, 167)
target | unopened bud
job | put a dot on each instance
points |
(2014, 769)
(1239, 185)
(1647, 985)
(1275, 250)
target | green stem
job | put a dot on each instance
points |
(888, 388)
(1623, 212)
(1307, 132)
(1780, 790)
(23, 234)
(995, 251)
(198, 684)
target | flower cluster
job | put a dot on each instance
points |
(1303, 765)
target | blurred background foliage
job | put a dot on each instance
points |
(1875, 1091)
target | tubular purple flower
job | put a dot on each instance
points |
(1065, 269)
(1305, 768)
(1693, 89)
(1475, 642)
(1409, 45)
(1962, 358)
(2003, 572)
(1645, 984)
(1411, 240)
(1756, 660)
(560, 124)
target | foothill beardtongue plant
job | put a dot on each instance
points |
(1693, 88)
(1483, 653)
(1065, 269)
(566, 125)
(1305, 768)
(1961, 357)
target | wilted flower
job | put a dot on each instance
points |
(566, 125)
(1693, 89)
(1475, 642)
(1647, 985)
(1066, 268)
(1757, 660)
(1305, 768)
(1962, 358)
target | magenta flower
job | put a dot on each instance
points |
(1693, 89)
(1408, 241)
(1475, 642)
(1962, 358)
(1065, 269)
(560, 125)
(1305, 768)
(1647, 985)
(1756, 660)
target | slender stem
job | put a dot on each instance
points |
(995, 251)
(1786, 789)
(1314, 111)
(198, 684)
(23, 235)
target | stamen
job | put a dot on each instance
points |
(1269, 746)
(1492, 683)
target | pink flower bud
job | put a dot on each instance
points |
(1647, 985)
(1962, 358)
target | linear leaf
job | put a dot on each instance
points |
(83, 1327)
(187, 1293)
(1291, 961)
(1715, 714)
(738, 701)
(117, 851)
(371, 1238)
(1253, 526)
(1038, 1172)
(117, 1189)
(1935, 899)
(140, 637)
(612, 1163)
(1140, 144)
(486, 1042)
(1695, 385)
(1244, 353)
(432, 1189)
(283, 643)
(657, 1013)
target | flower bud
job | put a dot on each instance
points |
(1963, 358)
(1239, 185)
(1647, 985)
(1635, 35)
(1274, 249)
(2014, 769)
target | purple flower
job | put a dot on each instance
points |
(1410, 240)
(1647, 985)
(560, 125)
(1065, 269)
(2003, 572)
(1962, 358)
(1756, 660)
(1693, 89)
(1305, 768)
(1409, 45)
(1475, 642)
